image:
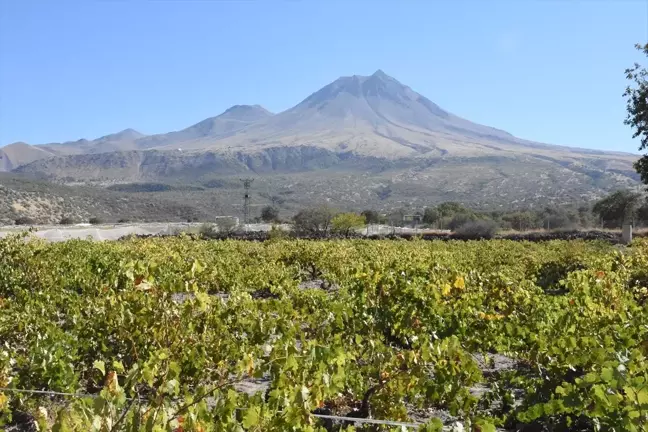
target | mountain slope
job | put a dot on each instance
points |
(372, 129)
(120, 141)
(379, 116)
(20, 153)
(232, 120)
(48, 203)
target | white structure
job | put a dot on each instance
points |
(234, 218)
(626, 234)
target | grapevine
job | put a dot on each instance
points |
(178, 334)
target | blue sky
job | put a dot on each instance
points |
(550, 71)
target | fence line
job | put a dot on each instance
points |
(322, 416)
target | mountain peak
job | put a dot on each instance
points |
(126, 134)
(245, 113)
(231, 120)
(129, 131)
(380, 74)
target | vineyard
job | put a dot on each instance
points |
(179, 334)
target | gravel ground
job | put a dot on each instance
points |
(57, 233)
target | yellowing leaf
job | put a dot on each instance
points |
(460, 283)
(250, 365)
(445, 291)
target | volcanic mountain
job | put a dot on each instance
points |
(363, 125)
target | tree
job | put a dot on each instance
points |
(558, 218)
(397, 217)
(637, 106)
(431, 216)
(520, 221)
(617, 208)
(314, 220)
(461, 219)
(451, 208)
(371, 216)
(344, 223)
(642, 214)
(269, 214)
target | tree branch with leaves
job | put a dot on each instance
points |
(636, 95)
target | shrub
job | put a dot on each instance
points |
(95, 221)
(277, 233)
(208, 230)
(269, 214)
(474, 230)
(226, 224)
(66, 220)
(140, 187)
(24, 220)
(344, 223)
(461, 219)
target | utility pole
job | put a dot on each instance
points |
(247, 184)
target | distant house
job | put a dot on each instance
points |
(413, 218)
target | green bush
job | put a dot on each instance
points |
(345, 223)
(66, 220)
(475, 230)
(24, 220)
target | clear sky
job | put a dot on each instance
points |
(550, 71)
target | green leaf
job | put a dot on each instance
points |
(642, 396)
(607, 374)
(251, 417)
(291, 363)
(434, 425)
(175, 369)
(118, 366)
(482, 425)
(99, 365)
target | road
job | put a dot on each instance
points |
(57, 233)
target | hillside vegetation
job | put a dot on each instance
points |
(43, 202)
